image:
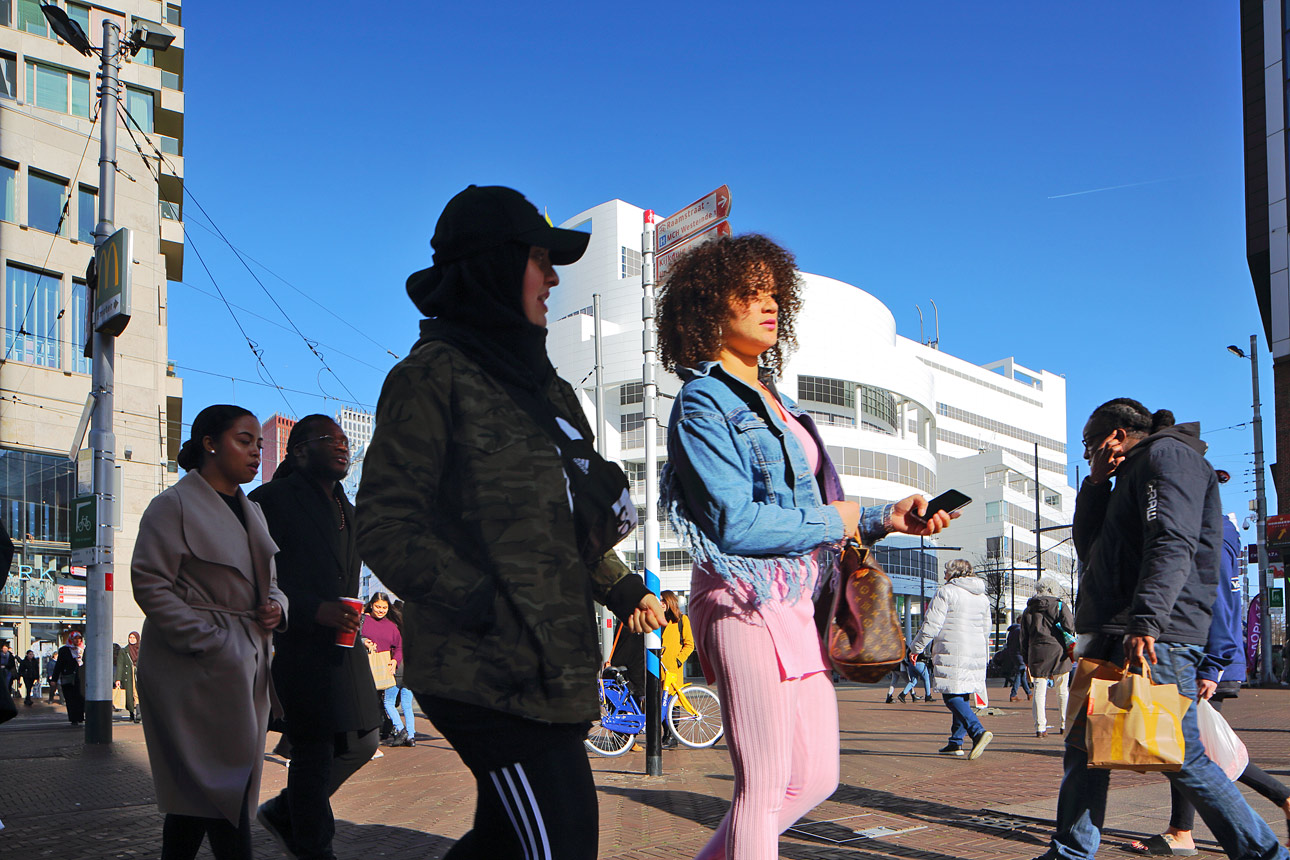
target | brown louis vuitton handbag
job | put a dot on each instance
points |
(858, 621)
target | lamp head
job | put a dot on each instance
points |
(1236, 351)
(149, 34)
(67, 29)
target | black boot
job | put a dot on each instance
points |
(890, 698)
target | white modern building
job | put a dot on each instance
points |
(893, 412)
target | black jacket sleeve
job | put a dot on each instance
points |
(1090, 511)
(1171, 503)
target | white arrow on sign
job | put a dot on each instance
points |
(693, 219)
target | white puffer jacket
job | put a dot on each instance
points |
(957, 627)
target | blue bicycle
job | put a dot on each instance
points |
(692, 711)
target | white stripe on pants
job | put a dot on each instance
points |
(513, 788)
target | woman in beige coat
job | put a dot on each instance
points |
(203, 574)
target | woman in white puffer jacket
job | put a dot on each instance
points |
(957, 627)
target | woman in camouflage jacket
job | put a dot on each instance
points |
(465, 512)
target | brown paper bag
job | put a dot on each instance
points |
(118, 699)
(381, 674)
(1085, 672)
(1135, 724)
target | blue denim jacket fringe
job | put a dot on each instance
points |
(723, 433)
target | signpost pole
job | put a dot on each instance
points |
(98, 592)
(1261, 503)
(653, 644)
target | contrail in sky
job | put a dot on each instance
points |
(1110, 188)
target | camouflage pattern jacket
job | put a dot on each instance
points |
(463, 512)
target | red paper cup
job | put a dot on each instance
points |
(345, 638)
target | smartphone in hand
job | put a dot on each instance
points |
(948, 501)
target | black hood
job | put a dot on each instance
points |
(1188, 434)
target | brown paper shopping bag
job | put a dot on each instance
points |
(1085, 671)
(1135, 724)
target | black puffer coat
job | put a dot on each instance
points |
(1045, 654)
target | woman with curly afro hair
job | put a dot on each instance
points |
(749, 485)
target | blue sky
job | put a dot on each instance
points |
(951, 152)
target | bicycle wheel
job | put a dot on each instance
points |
(695, 717)
(607, 742)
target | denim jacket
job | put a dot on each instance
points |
(738, 485)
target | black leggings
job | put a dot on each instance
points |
(1183, 816)
(181, 836)
(535, 797)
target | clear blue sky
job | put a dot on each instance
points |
(1065, 181)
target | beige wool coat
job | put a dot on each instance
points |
(203, 658)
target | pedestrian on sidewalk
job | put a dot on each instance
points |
(957, 628)
(204, 576)
(8, 666)
(916, 672)
(29, 672)
(384, 635)
(485, 506)
(329, 704)
(1219, 677)
(127, 663)
(750, 486)
(1150, 547)
(1015, 658)
(1046, 652)
(69, 676)
(678, 644)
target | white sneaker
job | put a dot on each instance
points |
(377, 754)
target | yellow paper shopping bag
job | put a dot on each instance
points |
(1134, 724)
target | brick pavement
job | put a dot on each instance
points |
(60, 798)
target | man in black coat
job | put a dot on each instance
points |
(1150, 549)
(328, 697)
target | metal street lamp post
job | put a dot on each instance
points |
(1261, 511)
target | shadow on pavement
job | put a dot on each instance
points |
(928, 811)
(377, 840)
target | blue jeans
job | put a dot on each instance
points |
(408, 722)
(1081, 804)
(919, 674)
(1020, 680)
(965, 721)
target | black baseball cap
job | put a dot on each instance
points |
(481, 218)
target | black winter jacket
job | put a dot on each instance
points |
(1151, 547)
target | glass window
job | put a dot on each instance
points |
(45, 202)
(8, 192)
(6, 13)
(173, 15)
(36, 492)
(86, 214)
(31, 19)
(81, 15)
(31, 324)
(56, 89)
(78, 327)
(139, 104)
(8, 77)
(144, 57)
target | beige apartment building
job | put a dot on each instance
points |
(49, 176)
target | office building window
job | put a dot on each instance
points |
(31, 324)
(45, 202)
(80, 13)
(174, 15)
(36, 492)
(87, 202)
(77, 327)
(8, 192)
(31, 19)
(57, 89)
(631, 263)
(631, 393)
(8, 76)
(6, 13)
(820, 389)
(140, 103)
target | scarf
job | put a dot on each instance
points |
(133, 647)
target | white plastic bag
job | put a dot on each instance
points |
(1220, 742)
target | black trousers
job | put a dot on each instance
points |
(319, 766)
(535, 797)
(1183, 814)
(75, 700)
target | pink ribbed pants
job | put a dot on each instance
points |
(782, 735)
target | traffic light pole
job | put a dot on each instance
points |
(98, 593)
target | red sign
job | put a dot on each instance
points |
(693, 219)
(1278, 531)
(663, 262)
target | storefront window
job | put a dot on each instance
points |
(36, 492)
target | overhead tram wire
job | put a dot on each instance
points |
(255, 348)
(312, 346)
(62, 217)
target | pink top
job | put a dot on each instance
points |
(795, 427)
(791, 625)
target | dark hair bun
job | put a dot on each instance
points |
(1161, 419)
(190, 455)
